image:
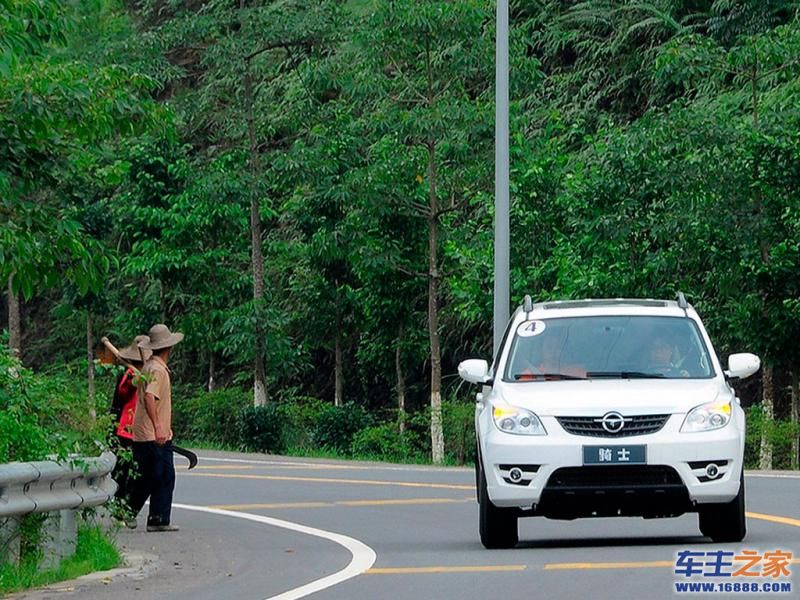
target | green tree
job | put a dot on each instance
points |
(54, 107)
(430, 115)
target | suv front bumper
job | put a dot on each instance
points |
(538, 457)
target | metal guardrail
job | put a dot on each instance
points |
(45, 486)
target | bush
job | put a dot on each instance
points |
(210, 416)
(385, 442)
(781, 433)
(458, 428)
(336, 426)
(302, 414)
(44, 415)
(458, 422)
(262, 429)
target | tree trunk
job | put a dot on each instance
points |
(162, 301)
(212, 372)
(795, 420)
(401, 382)
(767, 385)
(260, 379)
(14, 322)
(437, 435)
(338, 393)
(90, 369)
(768, 409)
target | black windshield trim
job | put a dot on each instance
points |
(524, 377)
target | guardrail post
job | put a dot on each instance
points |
(60, 537)
(9, 540)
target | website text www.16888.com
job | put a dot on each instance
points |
(728, 587)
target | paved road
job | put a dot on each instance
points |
(416, 530)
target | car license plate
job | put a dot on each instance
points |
(615, 455)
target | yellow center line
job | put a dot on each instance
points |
(623, 565)
(610, 565)
(441, 486)
(241, 507)
(295, 466)
(391, 502)
(466, 569)
(404, 501)
(226, 467)
(774, 519)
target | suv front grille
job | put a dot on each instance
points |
(613, 477)
(611, 491)
(592, 426)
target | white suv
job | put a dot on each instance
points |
(598, 408)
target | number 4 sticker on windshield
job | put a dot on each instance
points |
(531, 328)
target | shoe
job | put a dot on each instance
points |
(155, 528)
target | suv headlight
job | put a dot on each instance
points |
(708, 416)
(519, 421)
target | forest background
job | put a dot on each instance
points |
(305, 189)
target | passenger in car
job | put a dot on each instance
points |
(550, 364)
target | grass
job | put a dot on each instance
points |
(94, 552)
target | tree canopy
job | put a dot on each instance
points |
(305, 188)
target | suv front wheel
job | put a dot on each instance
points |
(725, 522)
(498, 526)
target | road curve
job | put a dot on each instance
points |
(421, 522)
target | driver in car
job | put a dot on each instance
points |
(662, 359)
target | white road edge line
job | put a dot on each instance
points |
(342, 465)
(773, 475)
(363, 556)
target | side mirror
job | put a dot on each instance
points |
(742, 365)
(474, 370)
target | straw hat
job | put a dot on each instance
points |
(161, 337)
(131, 353)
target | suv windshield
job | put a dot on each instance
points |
(608, 347)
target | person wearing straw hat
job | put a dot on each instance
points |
(123, 407)
(152, 432)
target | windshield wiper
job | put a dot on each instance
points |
(623, 375)
(545, 376)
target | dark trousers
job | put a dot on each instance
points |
(156, 480)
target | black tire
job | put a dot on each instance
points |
(478, 474)
(725, 522)
(498, 526)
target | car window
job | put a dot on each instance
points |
(611, 347)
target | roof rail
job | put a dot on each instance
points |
(682, 301)
(527, 304)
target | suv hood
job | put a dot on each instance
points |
(595, 397)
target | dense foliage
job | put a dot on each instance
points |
(307, 186)
(45, 416)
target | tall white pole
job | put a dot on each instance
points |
(502, 301)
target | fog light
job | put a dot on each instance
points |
(515, 474)
(712, 471)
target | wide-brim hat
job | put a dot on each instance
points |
(161, 337)
(131, 352)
